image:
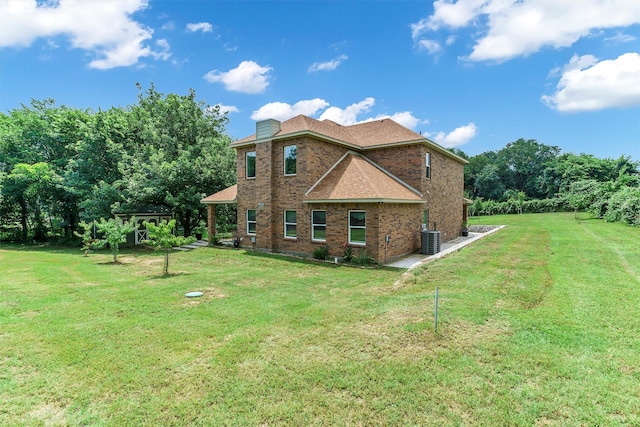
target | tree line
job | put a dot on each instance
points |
(527, 176)
(60, 165)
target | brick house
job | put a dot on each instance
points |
(304, 183)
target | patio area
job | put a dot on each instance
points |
(415, 259)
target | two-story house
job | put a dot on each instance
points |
(374, 186)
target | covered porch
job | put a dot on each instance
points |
(227, 196)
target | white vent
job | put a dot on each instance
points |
(267, 128)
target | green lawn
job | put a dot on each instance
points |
(539, 325)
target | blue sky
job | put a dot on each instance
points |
(472, 74)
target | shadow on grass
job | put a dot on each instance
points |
(312, 261)
(169, 275)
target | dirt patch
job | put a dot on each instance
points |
(50, 415)
(208, 294)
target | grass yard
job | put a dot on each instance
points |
(539, 325)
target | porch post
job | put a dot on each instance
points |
(211, 220)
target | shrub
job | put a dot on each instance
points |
(321, 253)
(348, 252)
(624, 206)
(362, 258)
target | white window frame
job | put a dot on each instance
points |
(358, 227)
(314, 225)
(288, 224)
(255, 222)
(427, 161)
(284, 158)
(246, 165)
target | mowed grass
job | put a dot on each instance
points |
(539, 325)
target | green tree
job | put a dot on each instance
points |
(488, 183)
(115, 232)
(161, 237)
(526, 160)
(31, 187)
(182, 155)
(86, 236)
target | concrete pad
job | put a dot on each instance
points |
(190, 246)
(413, 260)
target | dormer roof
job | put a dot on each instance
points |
(355, 178)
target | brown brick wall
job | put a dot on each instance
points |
(444, 191)
(406, 163)
(271, 192)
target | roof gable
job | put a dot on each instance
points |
(356, 178)
(228, 195)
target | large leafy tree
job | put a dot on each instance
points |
(31, 187)
(526, 161)
(181, 154)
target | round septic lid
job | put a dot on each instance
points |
(193, 294)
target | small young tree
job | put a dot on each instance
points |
(115, 232)
(87, 238)
(161, 237)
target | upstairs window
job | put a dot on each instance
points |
(319, 226)
(251, 221)
(251, 164)
(290, 155)
(290, 224)
(427, 158)
(357, 227)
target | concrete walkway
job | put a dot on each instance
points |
(413, 260)
(195, 245)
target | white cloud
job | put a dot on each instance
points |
(522, 27)
(228, 47)
(348, 116)
(620, 38)
(248, 77)
(430, 46)
(106, 29)
(205, 27)
(227, 108)
(405, 118)
(329, 65)
(589, 85)
(283, 111)
(456, 137)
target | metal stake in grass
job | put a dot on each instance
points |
(435, 317)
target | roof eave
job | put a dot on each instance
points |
(430, 143)
(218, 202)
(298, 134)
(371, 200)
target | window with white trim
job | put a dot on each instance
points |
(290, 224)
(319, 226)
(427, 160)
(251, 164)
(290, 157)
(251, 221)
(357, 227)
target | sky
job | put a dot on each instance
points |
(470, 74)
